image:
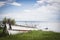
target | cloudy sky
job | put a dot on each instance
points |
(30, 10)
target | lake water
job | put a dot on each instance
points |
(52, 26)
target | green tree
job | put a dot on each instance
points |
(9, 22)
(5, 27)
(13, 22)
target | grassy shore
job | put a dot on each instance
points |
(32, 35)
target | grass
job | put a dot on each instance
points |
(33, 35)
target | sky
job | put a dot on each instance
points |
(30, 10)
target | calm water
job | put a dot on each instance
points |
(52, 26)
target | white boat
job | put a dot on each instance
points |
(19, 29)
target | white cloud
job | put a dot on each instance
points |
(47, 9)
(9, 2)
(47, 2)
(2, 4)
(42, 13)
(15, 4)
(27, 10)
